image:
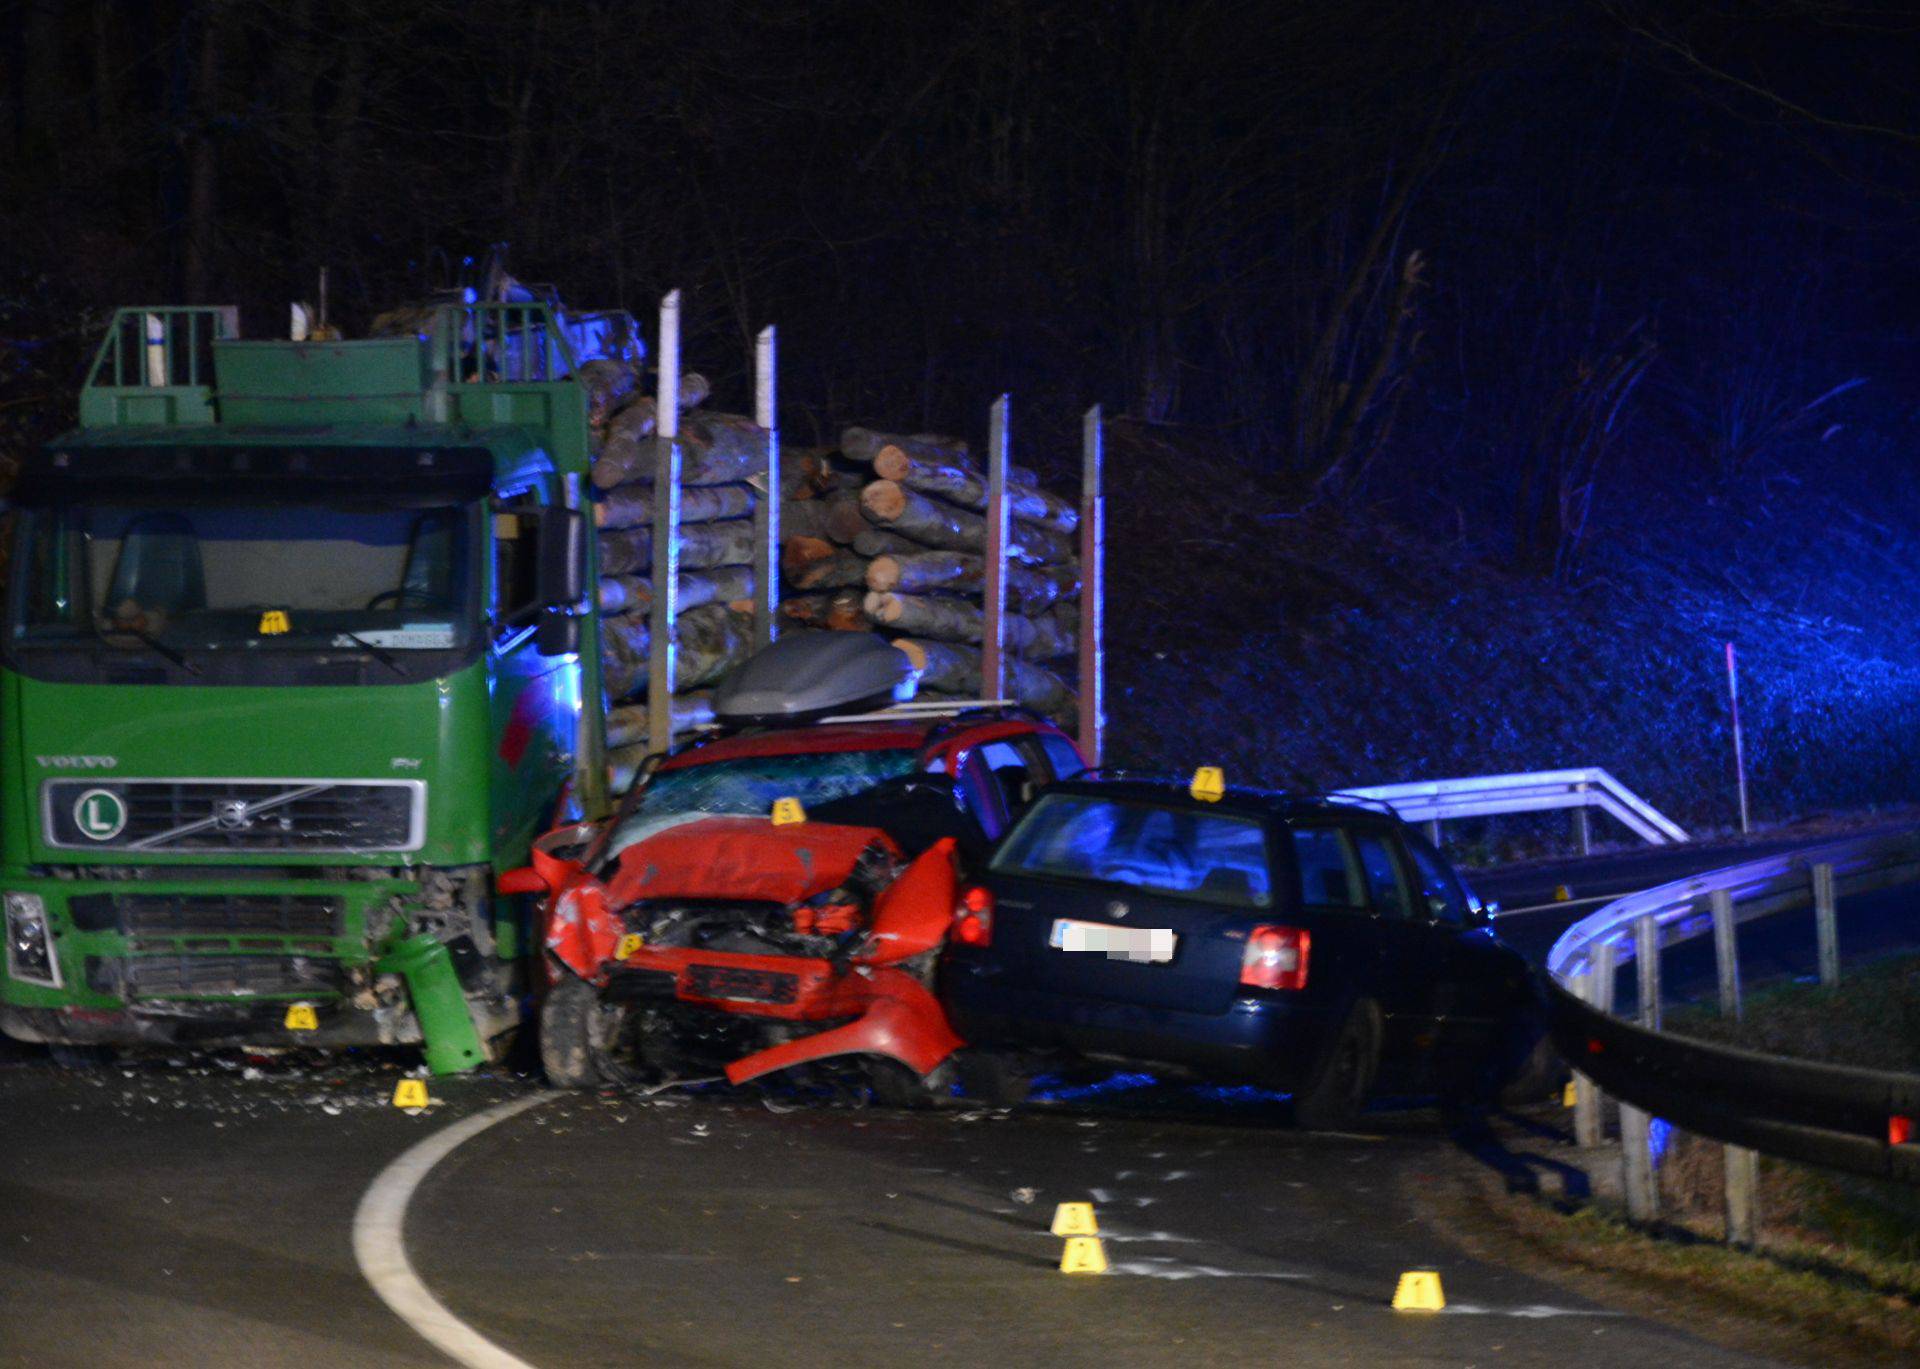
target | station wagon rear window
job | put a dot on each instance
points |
(1212, 857)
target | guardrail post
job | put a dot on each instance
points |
(1583, 829)
(1588, 1102)
(1646, 963)
(1433, 832)
(1826, 907)
(1742, 1189)
(1636, 1160)
(1738, 1164)
(1726, 952)
(1636, 1127)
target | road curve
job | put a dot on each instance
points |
(193, 1211)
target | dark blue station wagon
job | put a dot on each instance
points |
(1303, 944)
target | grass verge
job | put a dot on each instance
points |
(1802, 1296)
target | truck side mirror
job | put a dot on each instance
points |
(561, 543)
(556, 634)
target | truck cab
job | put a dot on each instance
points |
(294, 653)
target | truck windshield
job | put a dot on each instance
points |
(261, 576)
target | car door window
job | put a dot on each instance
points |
(1329, 874)
(984, 794)
(1063, 757)
(1012, 773)
(1386, 889)
(1444, 898)
(1214, 857)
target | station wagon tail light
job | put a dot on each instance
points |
(973, 918)
(1276, 957)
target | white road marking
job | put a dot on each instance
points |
(1535, 1312)
(1559, 903)
(379, 1242)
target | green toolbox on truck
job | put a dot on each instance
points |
(297, 638)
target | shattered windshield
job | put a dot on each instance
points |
(749, 785)
(219, 576)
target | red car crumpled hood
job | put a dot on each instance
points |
(741, 858)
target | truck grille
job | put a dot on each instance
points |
(184, 976)
(306, 915)
(318, 816)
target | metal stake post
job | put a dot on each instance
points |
(1826, 908)
(666, 533)
(766, 509)
(1583, 830)
(1739, 756)
(993, 661)
(1093, 593)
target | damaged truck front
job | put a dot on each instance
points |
(294, 655)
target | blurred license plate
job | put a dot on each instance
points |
(1149, 945)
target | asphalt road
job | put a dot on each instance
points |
(200, 1213)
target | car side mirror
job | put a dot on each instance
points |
(561, 540)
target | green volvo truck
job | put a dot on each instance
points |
(298, 657)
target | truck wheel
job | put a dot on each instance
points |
(1343, 1076)
(80, 1058)
(567, 1022)
(997, 1078)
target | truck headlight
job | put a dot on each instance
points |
(30, 957)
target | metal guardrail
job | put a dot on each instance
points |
(1436, 801)
(1858, 1120)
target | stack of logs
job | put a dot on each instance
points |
(882, 533)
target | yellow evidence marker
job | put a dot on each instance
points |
(410, 1093)
(1419, 1291)
(1075, 1219)
(786, 812)
(629, 943)
(1084, 1255)
(1570, 1095)
(300, 1018)
(1209, 784)
(273, 623)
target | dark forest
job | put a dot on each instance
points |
(1531, 285)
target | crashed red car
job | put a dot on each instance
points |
(748, 945)
(690, 933)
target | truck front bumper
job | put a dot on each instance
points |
(207, 962)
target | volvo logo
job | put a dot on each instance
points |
(100, 814)
(232, 815)
(1116, 909)
(77, 762)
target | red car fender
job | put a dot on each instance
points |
(581, 933)
(912, 914)
(904, 1022)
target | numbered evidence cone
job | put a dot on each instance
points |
(301, 1018)
(410, 1093)
(1083, 1255)
(1419, 1291)
(1075, 1219)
